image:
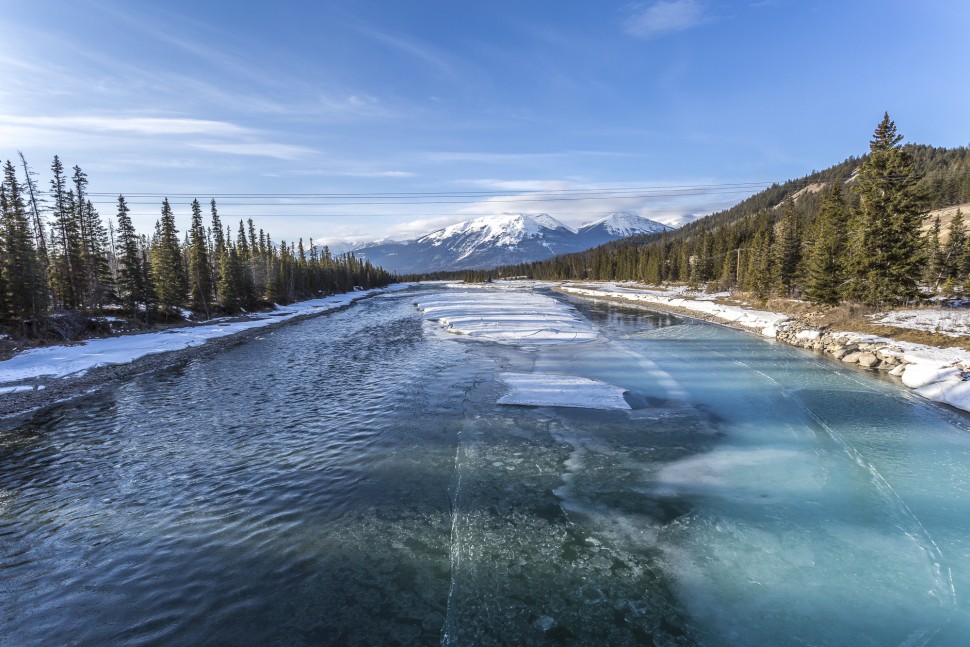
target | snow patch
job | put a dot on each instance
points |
(547, 390)
(945, 321)
(768, 323)
(64, 361)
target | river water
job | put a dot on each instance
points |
(351, 479)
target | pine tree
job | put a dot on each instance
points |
(933, 270)
(25, 289)
(788, 249)
(33, 199)
(132, 281)
(761, 267)
(886, 253)
(230, 279)
(218, 247)
(168, 276)
(200, 277)
(67, 267)
(825, 269)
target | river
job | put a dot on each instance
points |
(352, 479)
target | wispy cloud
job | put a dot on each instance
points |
(665, 17)
(130, 125)
(520, 185)
(259, 149)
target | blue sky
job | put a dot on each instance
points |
(507, 103)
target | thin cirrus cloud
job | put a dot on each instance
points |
(129, 125)
(259, 149)
(665, 17)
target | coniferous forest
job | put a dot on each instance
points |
(64, 266)
(856, 232)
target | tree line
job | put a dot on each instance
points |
(62, 265)
(853, 233)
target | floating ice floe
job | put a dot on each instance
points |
(547, 390)
(64, 361)
(517, 317)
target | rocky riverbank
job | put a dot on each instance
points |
(939, 374)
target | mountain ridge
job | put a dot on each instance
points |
(489, 241)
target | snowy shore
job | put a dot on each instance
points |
(938, 374)
(42, 376)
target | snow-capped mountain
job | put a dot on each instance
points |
(618, 225)
(490, 241)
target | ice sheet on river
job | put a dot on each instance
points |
(545, 390)
(518, 317)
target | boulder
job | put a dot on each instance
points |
(868, 360)
(852, 358)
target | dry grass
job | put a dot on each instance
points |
(855, 318)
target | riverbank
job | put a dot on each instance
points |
(39, 377)
(932, 372)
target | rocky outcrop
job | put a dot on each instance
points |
(873, 353)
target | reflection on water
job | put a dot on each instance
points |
(352, 480)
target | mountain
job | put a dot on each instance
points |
(617, 225)
(491, 241)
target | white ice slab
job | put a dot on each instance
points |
(547, 390)
(505, 316)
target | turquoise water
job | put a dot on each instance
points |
(351, 480)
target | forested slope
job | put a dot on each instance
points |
(854, 231)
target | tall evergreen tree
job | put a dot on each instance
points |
(33, 200)
(132, 280)
(788, 249)
(25, 289)
(825, 271)
(168, 275)
(886, 250)
(200, 276)
(761, 268)
(67, 267)
(953, 264)
(933, 270)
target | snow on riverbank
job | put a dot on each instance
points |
(67, 361)
(938, 374)
(764, 322)
(944, 321)
(507, 316)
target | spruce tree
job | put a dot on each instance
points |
(33, 199)
(761, 267)
(132, 282)
(933, 270)
(200, 277)
(25, 287)
(788, 249)
(886, 255)
(67, 267)
(230, 279)
(168, 276)
(825, 268)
